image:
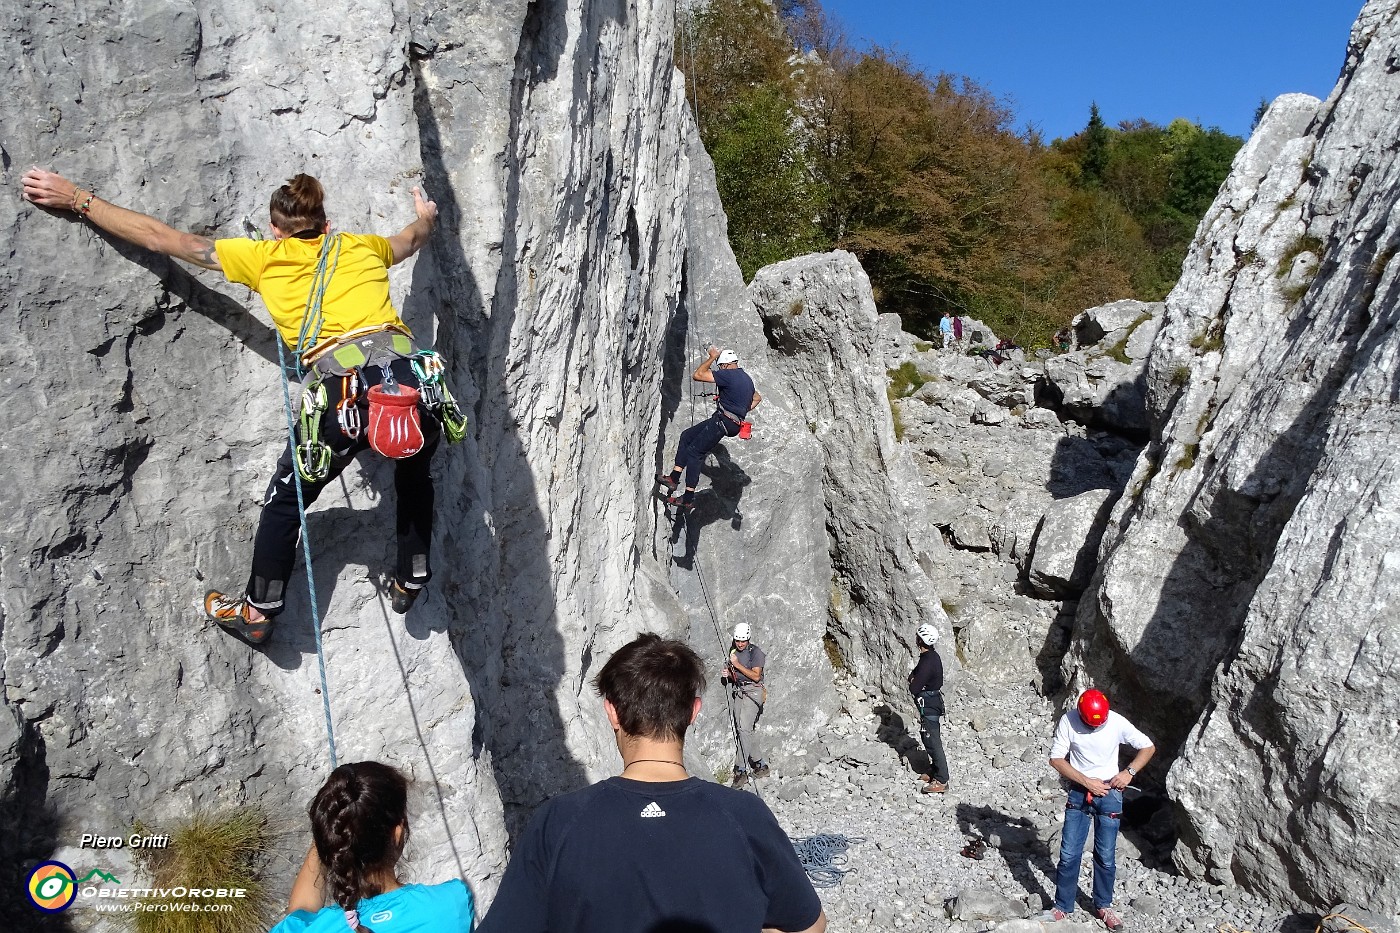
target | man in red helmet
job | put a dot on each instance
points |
(1085, 753)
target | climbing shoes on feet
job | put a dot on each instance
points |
(232, 612)
(401, 598)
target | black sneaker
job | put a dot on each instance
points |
(740, 779)
(761, 770)
(401, 598)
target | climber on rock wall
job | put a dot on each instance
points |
(367, 384)
(736, 398)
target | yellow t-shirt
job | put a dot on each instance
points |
(281, 271)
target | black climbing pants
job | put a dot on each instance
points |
(279, 530)
(698, 440)
(930, 712)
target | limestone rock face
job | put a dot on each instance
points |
(819, 314)
(1241, 612)
(1103, 384)
(1067, 542)
(145, 411)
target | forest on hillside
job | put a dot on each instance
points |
(819, 145)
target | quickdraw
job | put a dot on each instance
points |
(428, 367)
(311, 455)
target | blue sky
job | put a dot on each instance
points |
(1206, 60)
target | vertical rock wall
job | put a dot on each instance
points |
(145, 415)
(1242, 613)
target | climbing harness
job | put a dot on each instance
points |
(823, 856)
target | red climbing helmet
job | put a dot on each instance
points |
(1093, 708)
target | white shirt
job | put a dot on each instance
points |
(1094, 752)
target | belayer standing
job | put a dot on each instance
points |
(1085, 754)
(736, 397)
(926, 684)
(367, 383)
(747, 697)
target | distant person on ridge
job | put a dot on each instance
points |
(945, 328)
(328, 295)
(1085, 753)
(359, 827)
(653, 850)
(736, 398)
(926, 684)
(747, 697)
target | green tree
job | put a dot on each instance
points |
(761, 173)
(1096, 140)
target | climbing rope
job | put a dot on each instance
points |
(823, 857)
(1352, 924)
(325, 267)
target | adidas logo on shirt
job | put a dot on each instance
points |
(652, 810)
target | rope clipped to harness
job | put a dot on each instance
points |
(823, 856)
(325, 266)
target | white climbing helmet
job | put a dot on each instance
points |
(728, 356)
(928, 634)
(741, 632)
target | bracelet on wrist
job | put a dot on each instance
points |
(86, 205)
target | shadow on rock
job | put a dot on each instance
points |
(1015, 838)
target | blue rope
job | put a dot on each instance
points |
(822, 857)
(305, 340)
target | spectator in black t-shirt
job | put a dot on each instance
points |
(654, 850)
(926, 684)
(736, 398)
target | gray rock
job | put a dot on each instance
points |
(877, 539)
(1062, 558)
(985, 905)
(969, 532)
(1232, 614)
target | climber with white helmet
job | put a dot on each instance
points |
(735, 398)
(747, 695)
(367, 384)
(1085, 754)
(926, 684)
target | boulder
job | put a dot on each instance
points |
(1066, 544)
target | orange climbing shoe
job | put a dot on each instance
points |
(232, 613)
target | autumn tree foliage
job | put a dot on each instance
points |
(926, 178)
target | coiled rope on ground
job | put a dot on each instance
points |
(823, 857)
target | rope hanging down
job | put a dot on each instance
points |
(822, 857)
(310, 327)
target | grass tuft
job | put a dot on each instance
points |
(223, 850)
(833, 652)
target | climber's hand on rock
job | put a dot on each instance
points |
(48, 189)
(425, 209)
(714, 353)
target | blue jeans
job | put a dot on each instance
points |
(1103, 813)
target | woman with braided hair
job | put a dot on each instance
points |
(359, 824)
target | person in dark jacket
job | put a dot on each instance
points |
(735, 398)
(926, 684)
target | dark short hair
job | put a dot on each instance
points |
(652, 683)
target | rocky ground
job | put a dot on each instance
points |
(1017, 459)
(905, 870)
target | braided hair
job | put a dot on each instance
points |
(353, 818)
